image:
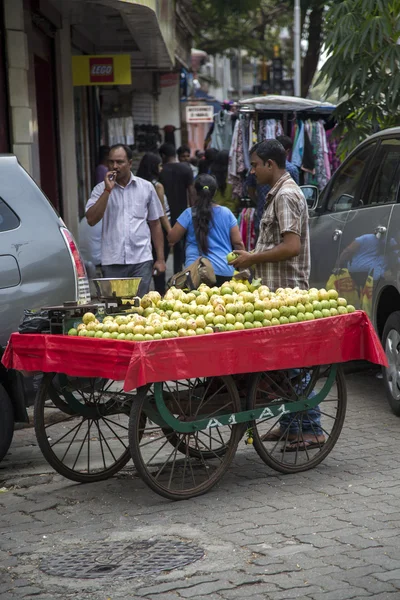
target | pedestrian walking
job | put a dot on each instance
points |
(211, 230)
(177, 179)
(205, 163)
(183, 153)
(131, 212)
(150, 168)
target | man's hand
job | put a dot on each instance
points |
(160, 266)
(243, 261)
(110, 183)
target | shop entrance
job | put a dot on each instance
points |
(46, 121)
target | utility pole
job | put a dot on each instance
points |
(240, 73)
(297, 48)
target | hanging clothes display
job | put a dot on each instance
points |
(246, 223)
(247, 132)
(120, 131)
(333, 144)
(221, 137)
(237, 169)
(317, 167)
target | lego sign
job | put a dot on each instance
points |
(199, 114)
(101, 70)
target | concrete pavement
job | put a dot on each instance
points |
(327, 534)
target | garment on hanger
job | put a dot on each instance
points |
(333, 144)
(221, 138)
(298, 145)
(246, 223)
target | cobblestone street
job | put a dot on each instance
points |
(327, 534)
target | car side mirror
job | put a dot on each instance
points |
(311, 194)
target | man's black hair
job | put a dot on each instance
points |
(270, 150)
(128, 151)
(286, 141)
(183, 150)
(167, 150)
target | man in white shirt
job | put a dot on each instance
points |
(131, 211)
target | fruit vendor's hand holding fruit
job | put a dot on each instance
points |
(235, 306)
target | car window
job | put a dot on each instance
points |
(384, 182)
(8, 218)
(347, 181)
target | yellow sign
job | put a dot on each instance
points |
(102, 69)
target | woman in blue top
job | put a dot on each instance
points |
(211, 230)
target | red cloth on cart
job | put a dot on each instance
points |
(324, 341)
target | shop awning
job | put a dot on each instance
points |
(286, 103)
(142, 28)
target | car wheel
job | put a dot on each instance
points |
(6, 422)
(391, 374)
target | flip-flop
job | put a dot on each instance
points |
(303, 445)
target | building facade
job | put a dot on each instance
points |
(56, 128)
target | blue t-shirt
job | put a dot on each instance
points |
(370, 255)
(219, 239)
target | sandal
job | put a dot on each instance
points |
(303, 445)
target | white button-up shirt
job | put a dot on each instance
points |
(126, 238)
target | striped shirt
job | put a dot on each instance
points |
(126, 238)
(285, 211)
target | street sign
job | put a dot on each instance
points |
(199, 114)
(114, 69)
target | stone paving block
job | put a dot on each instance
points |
(205, 589)
(342, 594)
(393, 575)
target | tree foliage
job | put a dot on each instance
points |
(255, 25)
(364, 66)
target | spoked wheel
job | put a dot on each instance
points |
(197, 460)
(81, 425)
(298, 441)
(188, 398)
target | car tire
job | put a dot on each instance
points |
(6, 422)
(391, 374)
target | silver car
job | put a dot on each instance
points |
(355, 241)
(40, 265)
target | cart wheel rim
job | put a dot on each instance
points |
(177, 465)
(297, 441)
(82, 426)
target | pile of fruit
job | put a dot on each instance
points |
(234, 306)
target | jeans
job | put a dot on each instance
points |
(310, 420)
(143, 270)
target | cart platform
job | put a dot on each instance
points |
(324, 341)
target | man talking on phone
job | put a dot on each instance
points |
(130, 211)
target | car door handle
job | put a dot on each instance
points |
(336, 234)
(380, 230)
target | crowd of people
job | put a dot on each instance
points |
(175, 204)
(184, 205)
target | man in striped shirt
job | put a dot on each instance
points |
(282, 254)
